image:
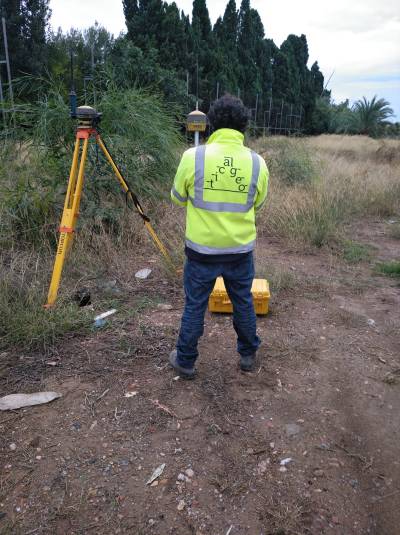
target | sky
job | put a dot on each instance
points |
(356, 40)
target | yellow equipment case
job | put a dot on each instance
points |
(220, 302)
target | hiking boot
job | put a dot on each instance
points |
(185, 373)
(247, 363)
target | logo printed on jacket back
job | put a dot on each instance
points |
(227, 176)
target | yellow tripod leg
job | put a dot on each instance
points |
(125, 187)
(69, 217)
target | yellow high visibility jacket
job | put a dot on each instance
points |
(223, 184)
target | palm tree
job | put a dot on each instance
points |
(371, 115)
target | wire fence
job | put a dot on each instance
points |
(279, 118)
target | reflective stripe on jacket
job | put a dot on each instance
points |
(223, 184)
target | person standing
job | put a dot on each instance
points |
(222, 184)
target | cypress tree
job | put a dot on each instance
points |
(317, 80)
(226, 71)
(250, 39)
(201, 23)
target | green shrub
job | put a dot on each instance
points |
(391, 269)
(291, 161)
(354, 252)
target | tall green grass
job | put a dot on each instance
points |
(141, 133)
(143, 136)
(24, 322)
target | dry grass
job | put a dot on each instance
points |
(359, 148)
(349, 180)
(395, 231)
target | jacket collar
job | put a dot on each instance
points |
(226, 135)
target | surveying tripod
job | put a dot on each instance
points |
(88, 120)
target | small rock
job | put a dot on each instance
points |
(282, 469)
(262, 467)
(292, 429)
(371, 322)
(318, 472)
(143, 273)
(164, 306)
(13, 446)
(181, 477)
(154, 484)
(181, 505)
(189, 472)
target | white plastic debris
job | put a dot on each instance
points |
(105, 315)
(286, 461)
(99, 321)
(130, 394)
(143, 273)
(156, 474)
(16, 401)
(371, 323)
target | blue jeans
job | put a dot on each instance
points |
(199, 280)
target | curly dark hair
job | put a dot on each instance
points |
(228, 112)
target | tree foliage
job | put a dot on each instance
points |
(26, 22)
(186, 59)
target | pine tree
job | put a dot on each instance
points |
(26, 22)
(36, 17)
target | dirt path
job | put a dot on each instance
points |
(320, 396)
